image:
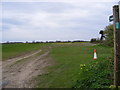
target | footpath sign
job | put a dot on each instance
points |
(111, 18)
(117, 25)
(119, 16)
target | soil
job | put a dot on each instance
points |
(19, 72)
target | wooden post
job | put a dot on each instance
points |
(116, 46)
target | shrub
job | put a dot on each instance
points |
(95, 75)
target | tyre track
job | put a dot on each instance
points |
(20, 75)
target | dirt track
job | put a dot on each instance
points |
(19, 72)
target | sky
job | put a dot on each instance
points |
(52, 20)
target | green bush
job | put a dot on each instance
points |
(95, 75)
(108, 31)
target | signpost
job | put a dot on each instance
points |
(116, 17)
(119, 10)
(111, 18)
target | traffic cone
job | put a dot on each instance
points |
(95, 55)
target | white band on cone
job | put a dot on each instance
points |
(95, 55)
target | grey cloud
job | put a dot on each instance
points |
(53, 21)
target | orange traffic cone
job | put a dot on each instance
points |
(95, 55)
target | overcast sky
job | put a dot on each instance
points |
(51, 20)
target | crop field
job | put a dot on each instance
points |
(14, 50)
(68, 60)
(59, 64)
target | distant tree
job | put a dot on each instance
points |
(33, 41)
(26, 41)
(47, 41)
(58, 41)
(68, 41)
(93, 40)
(7, 42)
(107, 33)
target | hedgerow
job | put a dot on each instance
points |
(97, 74)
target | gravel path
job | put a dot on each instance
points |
(19, 72)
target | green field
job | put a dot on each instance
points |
(67, 60)
(14, 50)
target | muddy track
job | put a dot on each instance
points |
(19, 72)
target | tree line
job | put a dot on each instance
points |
(57, 41)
